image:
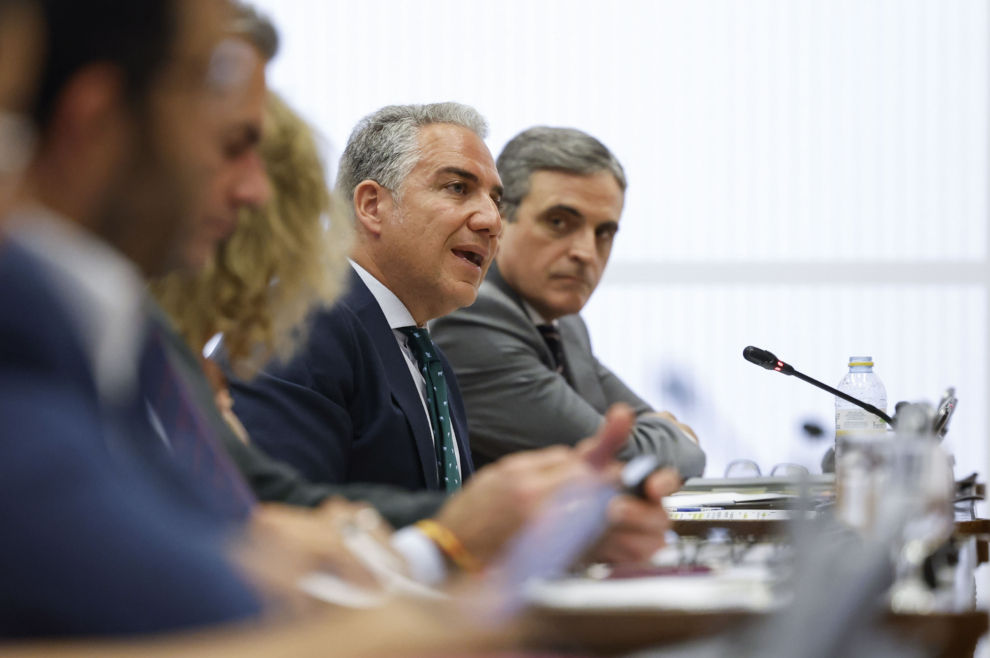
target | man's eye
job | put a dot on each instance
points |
(457, 188)
(234, 150)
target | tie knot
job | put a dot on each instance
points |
(421, 343)
(549, 331)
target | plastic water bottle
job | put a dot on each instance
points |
(863, 384)
(857, 433)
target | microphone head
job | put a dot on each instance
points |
(760, 357)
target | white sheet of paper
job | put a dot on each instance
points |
(721, 499)
(745, 589)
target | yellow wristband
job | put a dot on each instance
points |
(450, 545)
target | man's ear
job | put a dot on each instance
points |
(89, 104)
(84, 144)
(372, 204)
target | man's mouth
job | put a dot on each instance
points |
(472, 257)
(572, 278)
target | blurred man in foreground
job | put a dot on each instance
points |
(521, 352)
(104, 536)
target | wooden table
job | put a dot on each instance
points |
(615, 632)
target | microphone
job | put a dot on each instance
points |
(767, 360)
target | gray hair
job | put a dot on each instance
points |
(543, 148)
(256, 28)
(384, 146)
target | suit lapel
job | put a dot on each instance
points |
(495, 278)
(400, 381)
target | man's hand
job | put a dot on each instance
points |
(284, 543)
(666, 415)
(501, 497)
(636, 526)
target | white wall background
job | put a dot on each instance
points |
(812, 178)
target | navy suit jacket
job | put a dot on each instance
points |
(99, 535)
(346, 408)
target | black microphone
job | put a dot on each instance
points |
(770, 362)
(767, 360)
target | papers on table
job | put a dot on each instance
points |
(736, 515)
(330, 588)
(738, 589)
(723, 499)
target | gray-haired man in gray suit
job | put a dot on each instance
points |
(522, 353)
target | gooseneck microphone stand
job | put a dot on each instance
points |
(767, 360)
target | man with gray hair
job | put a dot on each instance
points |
(366, 400)
(522, 353)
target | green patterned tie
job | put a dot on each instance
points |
(436, 403)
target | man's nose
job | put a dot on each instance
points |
(584, 245)
(487, 218)
(254, 189)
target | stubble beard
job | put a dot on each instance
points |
(147, 209)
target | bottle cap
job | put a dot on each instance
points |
(860, 361)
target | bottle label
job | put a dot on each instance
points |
(858, 421)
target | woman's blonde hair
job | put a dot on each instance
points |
(282, 261)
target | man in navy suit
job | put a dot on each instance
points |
(370, 399)
(102, 534)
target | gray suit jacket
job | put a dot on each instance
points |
(515, 401)
(275, 481)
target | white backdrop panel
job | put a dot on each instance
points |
(922, 339)
(765, 129)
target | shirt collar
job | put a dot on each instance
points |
(100, 287)
(395, 311)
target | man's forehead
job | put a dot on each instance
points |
(201, 27)
(572, 190)
(446, 145)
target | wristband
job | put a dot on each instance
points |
(450, 545)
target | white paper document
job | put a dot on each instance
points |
(722, 499)
(743, 589)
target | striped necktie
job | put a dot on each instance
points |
(436, 404)
(551, 336)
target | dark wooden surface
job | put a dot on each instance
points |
(613, 632)
(974, 527)
(737, 528)
(773, 528)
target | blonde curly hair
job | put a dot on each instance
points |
(283, 261)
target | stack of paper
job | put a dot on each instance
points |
(739, 589)
(723, 499)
